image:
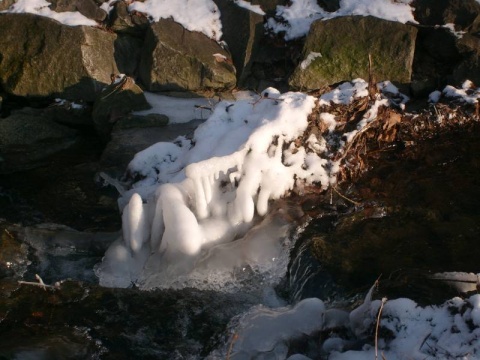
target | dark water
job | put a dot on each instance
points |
(419, 214)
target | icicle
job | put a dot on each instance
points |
(158, 227)
(207, 189)
(200, 201)
(135, 231)
(182, 232)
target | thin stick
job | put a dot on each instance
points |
(40, 283)
(234, 339)
(346, 198)
(384, 300)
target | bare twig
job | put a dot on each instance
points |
(40, 283)
(344, 197)
(230, 347)
(384, 300)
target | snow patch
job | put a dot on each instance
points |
(295, 20)
(194, 15)
(41, 8)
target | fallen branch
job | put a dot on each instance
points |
(344, 197)
(40, 283)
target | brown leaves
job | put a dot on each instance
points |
(389, 126)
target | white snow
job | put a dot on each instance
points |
(346, 92)
(246, 5)
(297, 18)
(434, 96)
(179, 110)
(194, 15)
(431, 332)
(468, 93)
(309, 59)
(41, 7)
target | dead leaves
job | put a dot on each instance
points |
(389, 126)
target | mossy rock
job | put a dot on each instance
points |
(343, 46)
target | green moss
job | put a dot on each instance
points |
(345, 44)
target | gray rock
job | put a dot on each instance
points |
(137, 121)
(175, 59)
(29, 139)
(441, 12)
(41, 57)
(70, 114)
(116, 101)
(344, 45)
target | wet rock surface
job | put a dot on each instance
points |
(29, 138)
(63, 323)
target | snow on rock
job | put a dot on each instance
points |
(446, 331)
(468, 93)
(406, 331)
(41, 7)
(295, 20)
(194, 15)
(246, 5)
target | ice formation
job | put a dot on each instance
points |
(197, 194)
(243, 157)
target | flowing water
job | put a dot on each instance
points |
(419, 215)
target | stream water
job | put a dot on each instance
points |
(419, 215)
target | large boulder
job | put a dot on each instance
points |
(338, 49)
(40, 57)
(28, 139)
(175, 59)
